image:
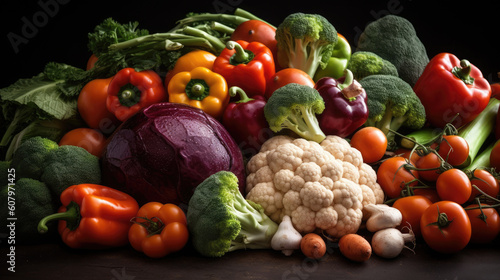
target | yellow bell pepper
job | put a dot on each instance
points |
(200, 88)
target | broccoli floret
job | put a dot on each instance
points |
(392, 104)
(70, 165)
(364, 64)
(394, 38)
(294, 106)
(221, 220)
(34, 202)
(30, 157)
(305, 41)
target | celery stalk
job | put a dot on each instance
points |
(477, 131)
(482, 160)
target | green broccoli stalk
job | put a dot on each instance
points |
(305, 41)
(221, 220)
(294, 106)
(392, 104)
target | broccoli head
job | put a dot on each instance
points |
(221, 220)
(294, 106)
(394, 38)
(35, 201)
(30, 157)
(70, 165)
(364, 64)
(305, 41)
(392, 104)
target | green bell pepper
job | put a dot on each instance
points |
(337, 62)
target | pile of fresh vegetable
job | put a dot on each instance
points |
(231, 133)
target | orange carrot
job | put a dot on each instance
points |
(313, 246)
(355, 247)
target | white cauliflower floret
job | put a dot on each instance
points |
(286, 156)
(309, 171)
(316, 196)
(320, 186)
(342, 150)
(266, 195)
(368, 177)
(303, 219)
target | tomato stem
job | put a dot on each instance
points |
(442, 221)
(153, 225)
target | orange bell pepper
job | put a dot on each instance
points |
(200, 88)
(93, 216)
(159, 229)
(189, 61)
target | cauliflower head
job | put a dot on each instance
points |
(320, 186)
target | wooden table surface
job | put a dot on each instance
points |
(56, 261)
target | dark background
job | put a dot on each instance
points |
(469, 29)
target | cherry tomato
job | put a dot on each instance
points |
(495, 156)
(392, 176)
(430, 193)
(91, 62)
(454, 149)
(92, 106)
(485, 224)
(402, 152)
(454, 185)
(445, 227)
(429, 161)
(412, 208)
(485, 182)
(371, 142)
(90, 139)
(285, 77)
(257, 31)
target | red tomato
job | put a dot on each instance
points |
(92, 106)
(412, 208)
(430, 193)
(392, 176)
(429, 161)
(257, 31)
(371, 142)
(445, 227)
(454, 185)
(485, 224)
(285, 77)
(454, 149)
(495, 156)
(91, 62)
(402, 152)
(485, 182)
(90, 139)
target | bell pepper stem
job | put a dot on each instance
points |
(71, 216)
(349, 78)
(241, 56)
(463, 72)
(197, 89)
(350, 88)
(233, 91)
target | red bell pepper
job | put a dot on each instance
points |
(345, 105)
(130, 91)
(93, 217)
(246, 65)
(245, 121)
(451, 88)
